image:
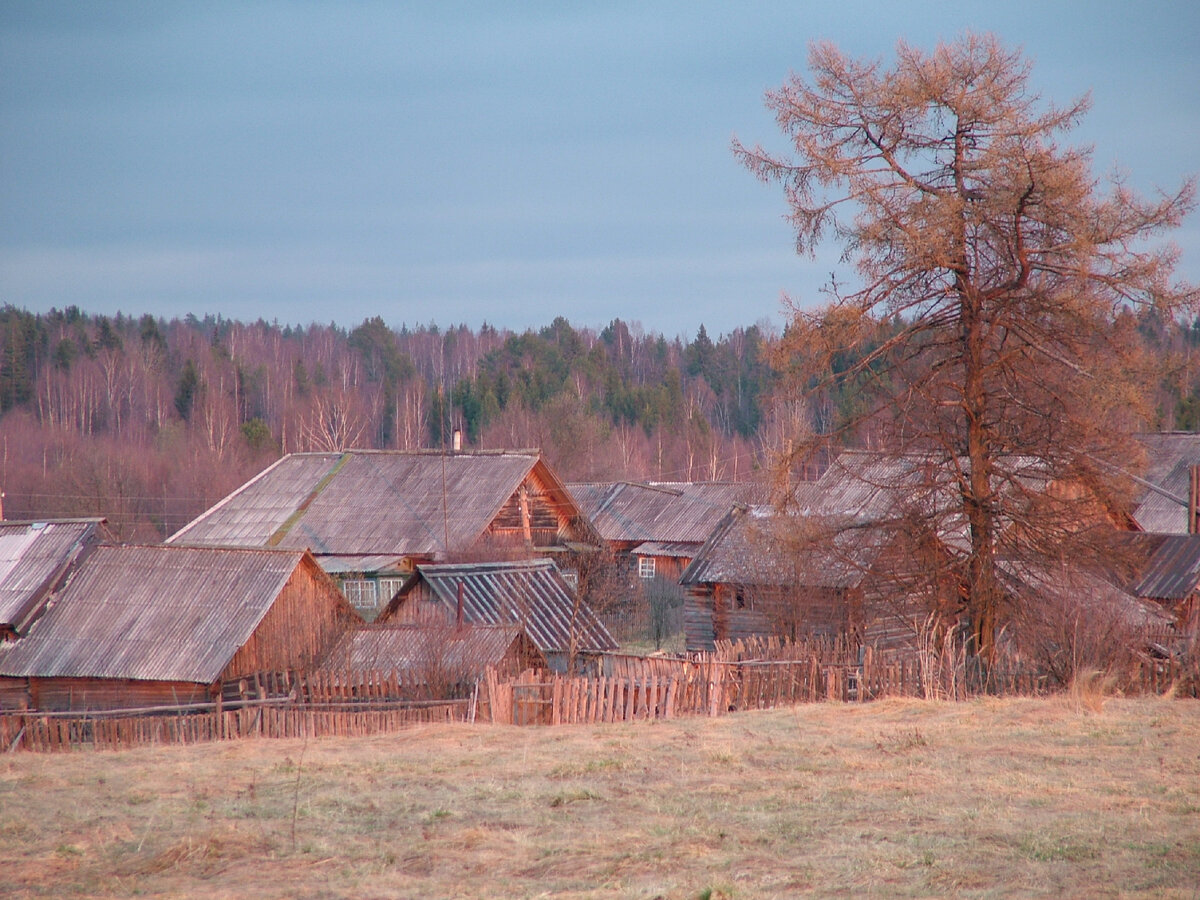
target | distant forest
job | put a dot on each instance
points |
(148, 421)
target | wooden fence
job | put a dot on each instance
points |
(116, 729)
(650, 688)
(616, 688)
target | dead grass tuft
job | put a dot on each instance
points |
(904, 740)
(204, 855)
(1089, 690)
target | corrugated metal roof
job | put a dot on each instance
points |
(152, 613)
(664, 511)
(531, 593)
(32, 556)
(868, 487)
(1172, 567)
(1066, 584)
(366, 502)
(1162, 508)
(385, 647)
(258, 509)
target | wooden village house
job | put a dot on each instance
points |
(852, 554)
(369, 517)
(140, 626)
(761, 575)
(655, 529)
(845, 558)
(531, 594)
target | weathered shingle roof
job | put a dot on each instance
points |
(367, 502)
(665, 511)
(152, 613)
(531, 593)
(416, 647)
(32, 557)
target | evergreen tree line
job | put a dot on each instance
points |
(149, 421)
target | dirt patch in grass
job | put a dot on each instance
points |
(899, 798)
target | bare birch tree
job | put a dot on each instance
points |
(1010, 273)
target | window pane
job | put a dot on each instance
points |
(361, 593)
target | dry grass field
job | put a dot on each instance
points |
(991, 798)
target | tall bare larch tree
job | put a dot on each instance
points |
(1006, 274)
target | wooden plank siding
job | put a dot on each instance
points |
(726, 612)
(300, 627)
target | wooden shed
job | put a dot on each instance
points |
(1168, 574)
(145, 626)
(369, 516)
(528, 593)
(437, 656)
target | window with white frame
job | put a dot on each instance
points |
(361, 592)
(645, 566)
(571, 578)
(388, 588)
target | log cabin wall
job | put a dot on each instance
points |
(533, 513)
(726, 612)
(698, 635)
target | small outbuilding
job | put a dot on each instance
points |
(1169, 575)
(531, 594)
(140, 626)
(437, 658)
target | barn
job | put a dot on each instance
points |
(140, 626)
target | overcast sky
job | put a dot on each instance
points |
(469, 162)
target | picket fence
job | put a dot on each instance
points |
(119, 729)
(616, 689)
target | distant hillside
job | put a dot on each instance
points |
(149, 421)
